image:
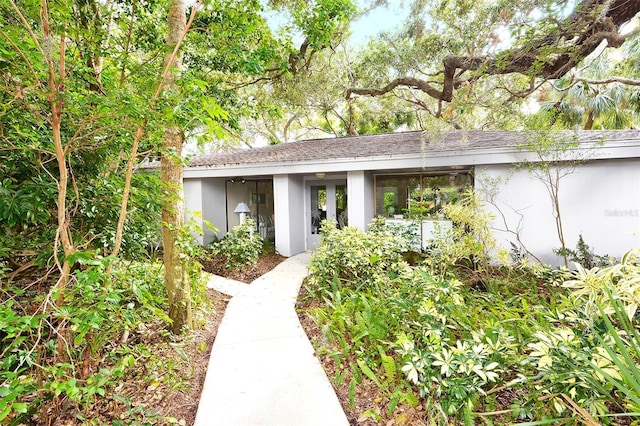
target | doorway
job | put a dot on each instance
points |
(326, 200)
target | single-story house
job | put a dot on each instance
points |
(289, 188)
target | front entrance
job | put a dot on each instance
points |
(325, 200)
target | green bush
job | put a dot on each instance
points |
(584, 255)
(104, 322)
(468, 242)
(354, 258)
(556, 353)
(240, 247)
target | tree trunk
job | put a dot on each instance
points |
(176, 268)
(588, 125)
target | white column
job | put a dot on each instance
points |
(360, 198)
(288, 206)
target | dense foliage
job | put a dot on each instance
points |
(120, 316)
(82, 104)
(475, 64)
(240, 247)
(523, 344)
(89, 90)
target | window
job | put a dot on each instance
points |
(419, 195)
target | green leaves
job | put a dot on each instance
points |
(320, 19)
(241, 246)
(27, 203)
(461, 350)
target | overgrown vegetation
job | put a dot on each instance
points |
(516, 343)
(89, 90)
(114, 326)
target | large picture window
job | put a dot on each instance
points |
(419, 196)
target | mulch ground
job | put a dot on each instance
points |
(246, 275)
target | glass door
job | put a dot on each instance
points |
(326, 200)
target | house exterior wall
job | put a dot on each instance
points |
(289, 214)
(360, 198)
(193, 204)
(204, 199)
(599, 200)
(213, 207)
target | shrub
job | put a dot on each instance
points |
(105, 325)
(469, 239)
(240, 247)
(584, 255)
(99, 311)
(445, 358)
(511, 350)
(589, 285)
(354, 258)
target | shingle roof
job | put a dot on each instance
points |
(392, 144)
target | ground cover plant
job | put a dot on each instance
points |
(437, 345)
(121, 365)
(241, 254)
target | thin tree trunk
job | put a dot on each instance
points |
(588, 125)
(166, 78)
(56, 88)
(57, 77)
(176, 269)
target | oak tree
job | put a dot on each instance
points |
(448, 52)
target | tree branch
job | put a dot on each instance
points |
(615, 79)
(548, 57)
(412, 82)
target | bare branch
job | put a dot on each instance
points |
(414, 83)
(615, 79)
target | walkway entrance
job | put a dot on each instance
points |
(326, 199)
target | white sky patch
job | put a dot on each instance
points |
(531, 106)
(380, 19)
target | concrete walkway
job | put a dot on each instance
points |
(262, 369)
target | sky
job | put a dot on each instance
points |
(378, 20)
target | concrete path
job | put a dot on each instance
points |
(262, 369)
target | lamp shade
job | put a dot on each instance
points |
(242, 208)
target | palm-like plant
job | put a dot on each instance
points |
(587, 102)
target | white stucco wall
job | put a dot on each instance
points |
(193, 204)
(599, 200)
(205, 199)
(213, 207)
(288, 194)
(360, 198)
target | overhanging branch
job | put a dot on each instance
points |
(547, 57)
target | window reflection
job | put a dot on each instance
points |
(318, 207)
(419, 195)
